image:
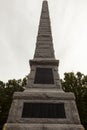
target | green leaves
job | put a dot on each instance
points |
(6, 94)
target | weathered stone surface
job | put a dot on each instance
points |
(43, 96)
(17, 126)
(34, 94)
(45, 35)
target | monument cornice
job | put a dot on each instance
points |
(44, 62)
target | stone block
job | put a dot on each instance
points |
(17, 126)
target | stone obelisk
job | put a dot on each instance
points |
(43, 104)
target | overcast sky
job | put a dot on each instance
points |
(19, 20)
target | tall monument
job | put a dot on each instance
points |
(43, 105)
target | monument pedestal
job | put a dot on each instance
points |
(43, 109)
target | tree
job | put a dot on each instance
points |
(77, 83)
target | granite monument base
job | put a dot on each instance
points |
(43, 109)
(18, 126)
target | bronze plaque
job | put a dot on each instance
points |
(43, 110)
(44, 76)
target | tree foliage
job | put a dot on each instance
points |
(6, 94)
(77, 83)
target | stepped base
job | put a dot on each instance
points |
(17, 126)
(20, 118)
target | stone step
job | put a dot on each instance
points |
(17, 126)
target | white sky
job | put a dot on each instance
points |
(19, 20)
